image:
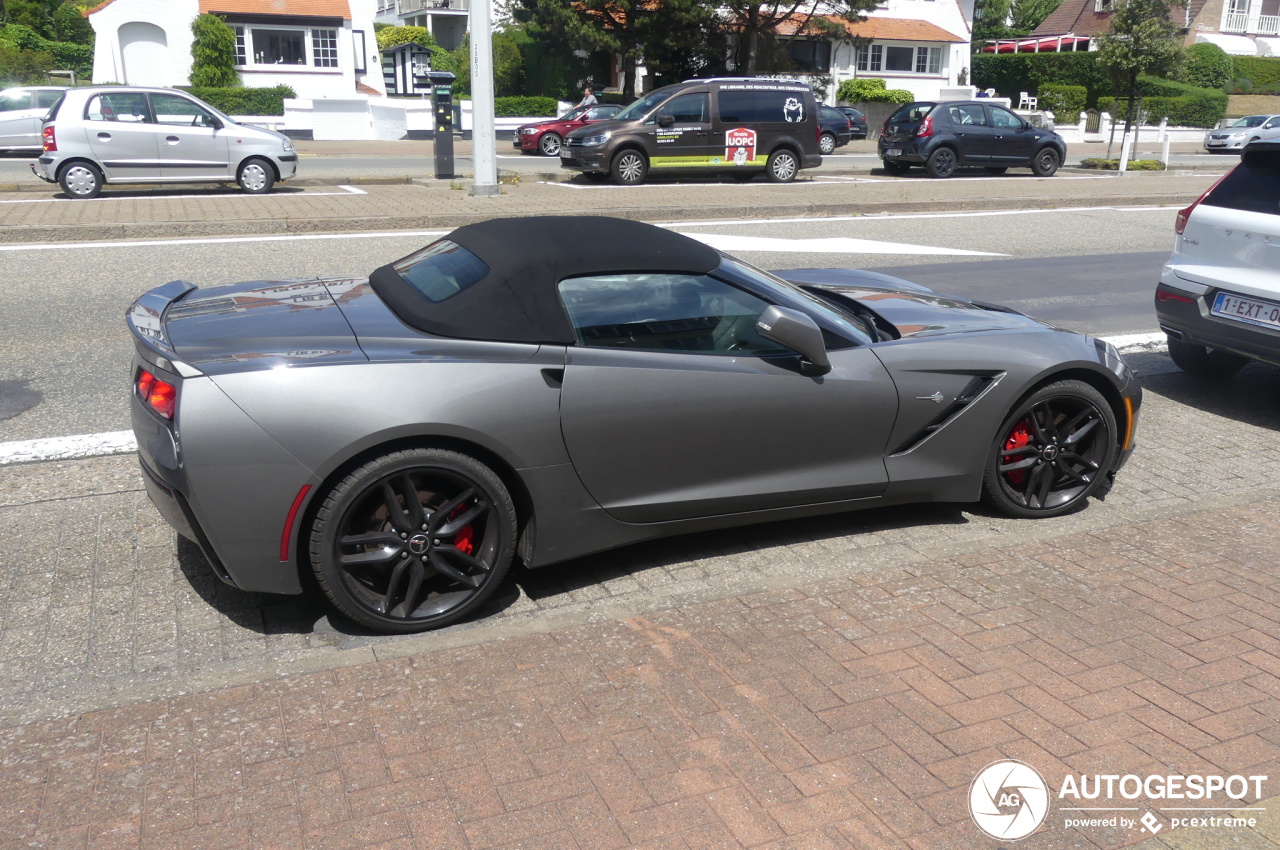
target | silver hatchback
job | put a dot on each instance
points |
(113, 134)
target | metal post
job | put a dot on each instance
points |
(483, 135)
(1164, 151)
(1125, 146)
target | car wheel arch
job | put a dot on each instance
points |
(340, 467)
(274, 167)
(1094, 376)
(79, 160)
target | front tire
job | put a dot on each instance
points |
(1054, 448)
(1204, 362)
(414, 540)
(942, 163)
(629, 168)
(81, 180)
(782, 167)
(1045, 163)
(827, 144)
(256, 176)
(550, 144)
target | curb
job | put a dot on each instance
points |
(304, 226)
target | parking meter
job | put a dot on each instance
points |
(442, 103)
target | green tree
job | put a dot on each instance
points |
(69, 24)
(766, 28)
(1208, 66)
(18, 66)
(389, 37)
(213, 53)
(1142, 39)
(997, 19)
(1029, 14)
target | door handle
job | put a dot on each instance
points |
(554, 378)
(104, 137)
(171, 140)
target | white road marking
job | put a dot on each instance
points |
(817, 181)
(122, 442)
(832, 245)
(350, 190)
(216, 240)
(881, 216)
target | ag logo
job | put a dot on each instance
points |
(739, 145)
(1008, 800)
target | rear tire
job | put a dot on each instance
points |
(629, 168)
(256, 176)
(827, 144)
(81, 180)
(942, 163)
(1204, 362)
(1045, 163)
(782, 167)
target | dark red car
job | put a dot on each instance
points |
(546, 137)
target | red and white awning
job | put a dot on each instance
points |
(1056, 44)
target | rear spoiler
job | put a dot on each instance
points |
(145, 318)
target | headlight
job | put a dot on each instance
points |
(595, 141)
(288, 146)
(1238, 135)
(528, 131)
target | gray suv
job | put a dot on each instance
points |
(113, 134)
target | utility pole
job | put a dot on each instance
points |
(483, 139)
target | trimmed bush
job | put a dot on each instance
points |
(393, 36)
(1011, 73)
(1262, 71)
(522, 107)
(213, 53)
(1101, 164)
(244, 101)
(1065, 102)
(1208, 66)
(852, 91)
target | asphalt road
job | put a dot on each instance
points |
(64, 351)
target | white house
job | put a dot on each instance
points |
(918, 45)
(322, 48)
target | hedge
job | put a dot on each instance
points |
(243, 100)
(1011, 73)
(66, 55)
(871, 90)
(1262, 71)
(1208, 66)
(1101, 164)
(521, 107)
(1065, 102)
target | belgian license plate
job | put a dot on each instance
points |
(1248, 310)
(893, 152)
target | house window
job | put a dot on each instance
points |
(279, 47)
(812, 57)
(242, 55)
(870, 57)
(259, 47)
(928, 60)
(899, 58)
(1103, 6)
(905, 60)
(324, 47)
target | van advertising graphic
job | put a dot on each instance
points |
(740, 146)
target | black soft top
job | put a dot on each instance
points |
(517, 300)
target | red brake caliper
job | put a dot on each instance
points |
(1020, 436)
(465, 539)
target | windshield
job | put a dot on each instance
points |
(1249, 121)
(643, 106)
(863, 330)
(574, 113)
(912, 112)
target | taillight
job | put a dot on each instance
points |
(161, 396)
(926, 127)
(1163, 295)
(1180, 223)
(50, 139)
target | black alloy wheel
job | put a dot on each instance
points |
(827, 144)
(1051, 452)
(1045, 163)
(1204, 362)
(941, 163)
(782, 167)
(414, 540)
(550, 144)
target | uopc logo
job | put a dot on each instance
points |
(1008, 800)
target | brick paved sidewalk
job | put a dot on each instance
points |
(851, 713)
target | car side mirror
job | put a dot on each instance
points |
(666, 120)
(796, 331)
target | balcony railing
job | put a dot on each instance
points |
(408, 7)
(1236, 22)
(1269, 25)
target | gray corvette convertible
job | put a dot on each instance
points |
(545, 388)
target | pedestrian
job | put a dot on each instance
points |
(588, 97)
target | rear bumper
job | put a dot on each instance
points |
(1194, 324)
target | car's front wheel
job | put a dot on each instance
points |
(256, 176)
(782, 167)
(629, 168)
(941, 163)
(1053, 450)
(1204, 362)
(550, 144)
(81, 180)
(827, 144)
(413, 540)
(1045, 163)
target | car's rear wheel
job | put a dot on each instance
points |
(414, 540)
(827, 143)
(81, 180)
(896, 167)
(629, 168)
(997, 169)
(783, 166)
(1204, 362)
(941, 163)
(1045, 163)
(550, 144)
(256, 176)
(1053, 450)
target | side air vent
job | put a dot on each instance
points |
(974, 390)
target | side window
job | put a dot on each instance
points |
(601, 113)
(687, 108)
(46, 99)
(967, 115)
(180, 112)
(665, 312)
(761, 107)
(118, 106)
(14, 101)
(1004, 119)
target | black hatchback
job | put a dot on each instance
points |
(942, 137)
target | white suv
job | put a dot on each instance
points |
(1219, 295)
(117, 134)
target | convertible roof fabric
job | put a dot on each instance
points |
(527, 257)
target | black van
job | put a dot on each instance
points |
(739, 125)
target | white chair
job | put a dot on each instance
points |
(1026, 101)
(991, 92)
